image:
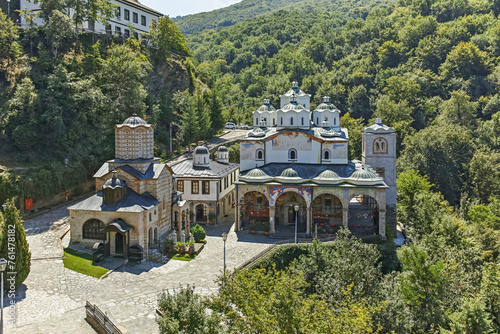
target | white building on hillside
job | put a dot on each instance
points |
(129, 15)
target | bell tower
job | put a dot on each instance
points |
(379, 151)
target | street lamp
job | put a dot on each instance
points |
(296, 208)
(224, 238)
(4, 206)
(8, 9)
(3, 266)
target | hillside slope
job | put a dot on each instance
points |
(247, 9)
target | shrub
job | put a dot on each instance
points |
(281, 256)
(198, 233)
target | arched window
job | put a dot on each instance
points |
(326, 154)
(259, 154)
(291, 120)
(380, 145)
(281, 120)
(292, 154)
(334, 121)
(256, 121)
(317, 121)
(302, 120)
(92, 229)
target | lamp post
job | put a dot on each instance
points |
(8, 9)
(224, 238)
(3, 265)
(4, 206)
(296, 208)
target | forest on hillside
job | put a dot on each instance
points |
(247, 9)
(62, 92)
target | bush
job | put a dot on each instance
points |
(281, 257)
(198, 233)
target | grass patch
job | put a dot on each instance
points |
(181, 257)
(82, 263)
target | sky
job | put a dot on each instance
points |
(173, 8)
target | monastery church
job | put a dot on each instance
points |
(294, 164)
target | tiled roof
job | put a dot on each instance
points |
(216, 169)
(141, 6)
(131, 202)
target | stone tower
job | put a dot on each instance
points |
(379, 151)
(134, 143)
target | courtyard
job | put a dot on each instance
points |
(52, 299)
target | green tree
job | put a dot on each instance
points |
(484, 171)
(10, 48)
(164, 37)
(356, 129)
(423, 285)
(472, 318)
(183, 311)
(14, 246)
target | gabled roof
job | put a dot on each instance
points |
(153, 171)
(131, 202)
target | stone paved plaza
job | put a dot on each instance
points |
(52, 298)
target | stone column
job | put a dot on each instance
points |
(345, 217)
(308, 224)
(381, 224)
(272, 227)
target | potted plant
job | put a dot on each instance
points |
(252, 226)
(181, 247)
(211, 218)
(169, 245)
(190, 247)
(266, 226)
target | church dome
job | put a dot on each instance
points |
(328, 174)
(327, 105)
(294, 105)
(256, 172)
(222, 149)
(254, 175)
(363, 172)
(257, 132)
(114, 182)
(266, 107)
(289, 172)
(200, 150)
(134, 120)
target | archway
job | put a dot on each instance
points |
(255, 207)
(363, 215)
(326, 214)
(150, 238)
(285, 212)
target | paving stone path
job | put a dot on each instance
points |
(52, 298)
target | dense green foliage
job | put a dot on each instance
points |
(247, 9)
(198, 233)
(62, 93)
(14, 246)
(429, 69)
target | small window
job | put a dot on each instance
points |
(126, 13)
(259, 154)
(118, 12)
(265, 120)
(317, 121)
(334, 121)
(136, 35)
(150, 216)
(118, 31)
(91, 25)
(135, 17)
(326, 155)
(281, 120)
(143, 20)
(108, 29)
(205, 187)
(302, 120)
(127, 33)
(274, 121)
(328, 202)
(259, 200)
(291, 121)
(180, 185)
(256, 121)
(195, 187)
(292, 154)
